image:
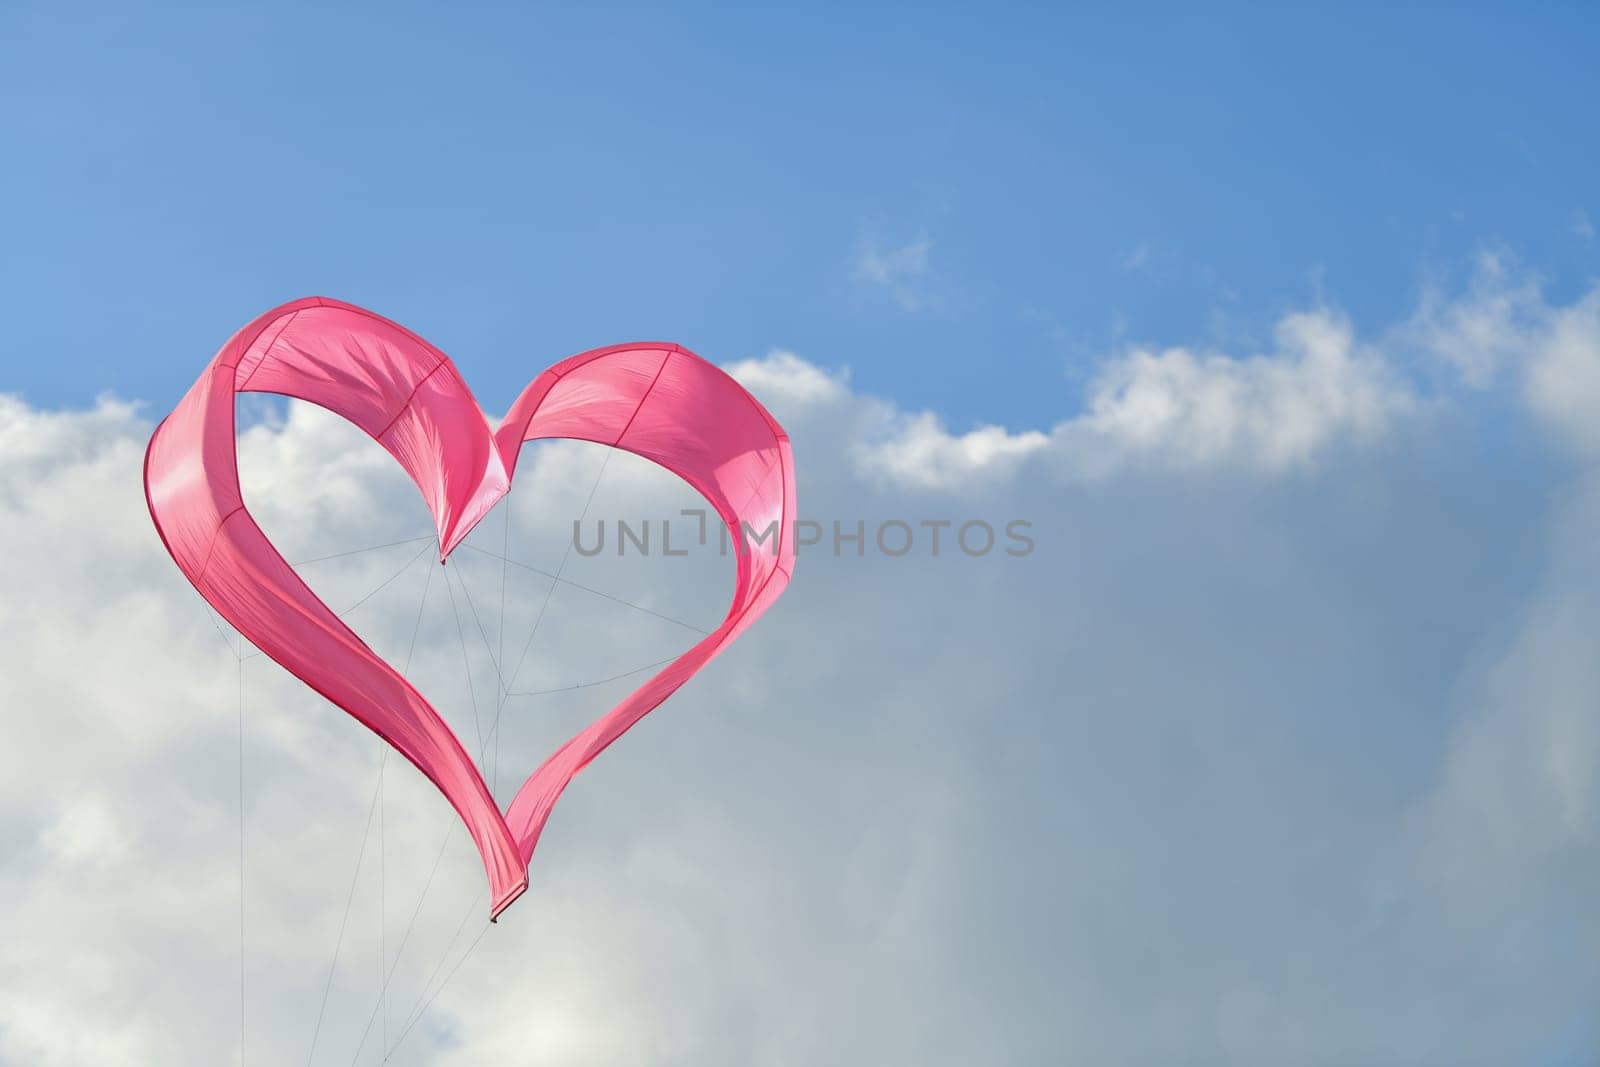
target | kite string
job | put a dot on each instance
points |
(239, 659)
(410, 1018)
(556, 578)
(212, 615)
(383, 892)
(504, 696)
(378, 804)
(545, 604)
(391, 968)
(386, 971)
(500, 629)
(349, 900)
(405, 939)
(380, 587)
(416, 629)
(483, 634)
(595, 682)
(358, 551)
(241, 858)
(466, 663)
(451, 974)
(413, 1015)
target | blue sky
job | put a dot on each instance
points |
(521, 183)
(1282, 329)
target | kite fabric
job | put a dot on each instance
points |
(658, 401)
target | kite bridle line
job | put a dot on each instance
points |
(700, 425)
(489, 742)
(502, 695)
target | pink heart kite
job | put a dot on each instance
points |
(658, 401)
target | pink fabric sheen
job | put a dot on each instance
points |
(658, 401)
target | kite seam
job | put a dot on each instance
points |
(212, 544)
(629, 424)
(414, 389)
(265, 352)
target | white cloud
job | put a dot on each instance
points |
(87, 832)
(901, 272)
(1170, 410)
(1563, 376)
(884, 443)
(1511, 825)
(1318, 390)
(1238, 776)
(1503, 326)
(917, 451)
(1482, 330)
(784, 377)
(1177, 409)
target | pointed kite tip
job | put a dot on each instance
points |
(508, 899)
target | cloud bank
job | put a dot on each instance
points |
(1280, 747)
(1318, 389)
